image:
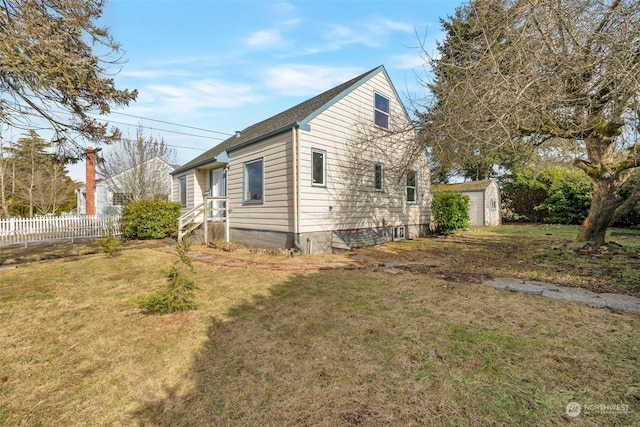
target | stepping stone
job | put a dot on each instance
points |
(622, 302)
(575, 295)
(526, 288)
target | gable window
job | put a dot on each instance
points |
(182, 190)
(318, 167)
(381, 111)
(254, 181)
(121, 199)
(412, 186)
(378, 176)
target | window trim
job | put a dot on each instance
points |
(182, 192)
(245, 183)
(375, 182)
(324, 167)
(377, 110)
(415, 187)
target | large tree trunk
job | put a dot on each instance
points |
(604, 203)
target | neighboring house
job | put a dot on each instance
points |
(113, 193)
(337, 171)
(484, 200)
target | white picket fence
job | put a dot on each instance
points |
(27, 230)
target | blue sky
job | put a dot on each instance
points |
(223, 65)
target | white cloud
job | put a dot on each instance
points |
(152, 74)
(408, 61)
(265, 39)
(388, 24)
(372, 32)
(306, 80)
(201, 94)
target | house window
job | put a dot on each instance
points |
(378, 176)
(412, 186)
(182, 190)
(121, 199)
(254, 181)
(381, 111)
(318, 167)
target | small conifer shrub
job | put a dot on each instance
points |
(109, 243)
(179, 292)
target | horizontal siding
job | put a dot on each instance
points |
(350, 200)
(193, 189)
(276, 212)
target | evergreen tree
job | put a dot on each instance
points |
(37, 181)
(49, 69)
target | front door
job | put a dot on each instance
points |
(217, 188)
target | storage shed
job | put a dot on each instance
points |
(484, 200)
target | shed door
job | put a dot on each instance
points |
(476, 208)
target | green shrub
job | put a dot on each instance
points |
(179, 292)
(553, 194)
(150, 219)
(450, 211)
(568, 196)
(632, 218)
(109, 243)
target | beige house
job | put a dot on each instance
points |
(337, 171)
(484, 200)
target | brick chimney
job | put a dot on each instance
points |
(91, 181)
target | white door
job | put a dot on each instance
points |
(217, 188)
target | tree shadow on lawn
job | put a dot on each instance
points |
(346, 348)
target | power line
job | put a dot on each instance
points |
(167, 130)
(170, 123)
(146, 127)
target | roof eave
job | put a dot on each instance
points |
(263, 136)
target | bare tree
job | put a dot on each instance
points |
(541, 74)
(136, 169)
(49, 70)
(54, 190)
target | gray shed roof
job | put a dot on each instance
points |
(276, 124)
(463, 186)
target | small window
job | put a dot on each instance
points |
(182, 190)
(378, 176)
(318, 168)
(412, 187)
(381, 111)
(254, 181)
(121, 199)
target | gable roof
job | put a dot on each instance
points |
(298, 115)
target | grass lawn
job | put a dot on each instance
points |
(326, 347)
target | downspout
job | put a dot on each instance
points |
(296, 191)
